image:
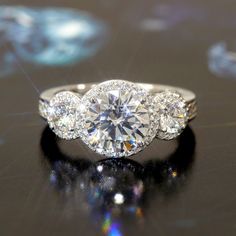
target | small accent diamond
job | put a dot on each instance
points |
(61, 114)
(172, 114)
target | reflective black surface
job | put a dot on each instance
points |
(114, 189)
(110, 173)
(171, 188)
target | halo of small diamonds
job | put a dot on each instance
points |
(117, 118)
(61, 114)
(172, 114)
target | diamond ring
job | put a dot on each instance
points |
(117, 118)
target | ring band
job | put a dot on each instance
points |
(117, 118)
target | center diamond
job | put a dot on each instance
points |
(116, 119)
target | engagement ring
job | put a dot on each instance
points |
(117, 118)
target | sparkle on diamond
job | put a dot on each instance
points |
(116, 121)
(172, 113)
(61, 114)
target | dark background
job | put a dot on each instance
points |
(203, 201)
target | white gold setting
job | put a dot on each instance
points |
(117, 118)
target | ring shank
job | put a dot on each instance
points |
(81, 89)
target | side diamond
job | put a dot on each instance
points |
(61, 114)
(172, 113)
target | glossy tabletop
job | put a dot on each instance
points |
(182, 187)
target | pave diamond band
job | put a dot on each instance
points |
(117, 118)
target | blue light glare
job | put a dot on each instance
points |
(222, 61)
(114, 231)
(49, 36)
(109, 227)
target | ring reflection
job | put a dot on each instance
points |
(114, 189)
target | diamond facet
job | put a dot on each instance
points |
(61, 114)
(172, 114)
(117, 118)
